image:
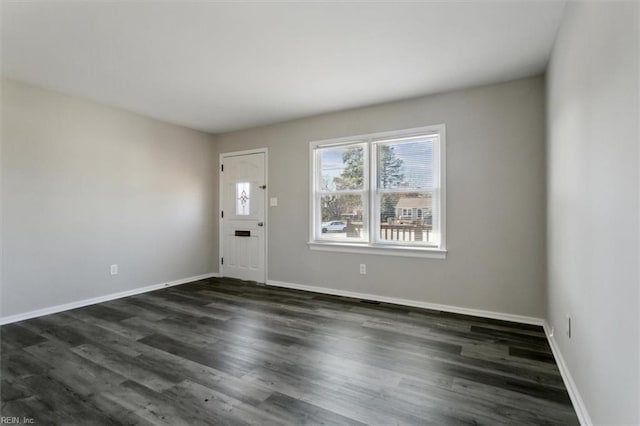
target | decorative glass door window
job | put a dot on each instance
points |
(243, 199)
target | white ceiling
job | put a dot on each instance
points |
(224, 66)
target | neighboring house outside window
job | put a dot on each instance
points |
(413, 207)
(381, 193)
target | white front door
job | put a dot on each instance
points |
(242, 204)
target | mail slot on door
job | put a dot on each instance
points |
(243, 233)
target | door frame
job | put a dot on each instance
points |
(222, 156)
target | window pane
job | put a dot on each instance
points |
(406, 217)
(342, 217)
(405, 165)
(341, 168)
(243, 198)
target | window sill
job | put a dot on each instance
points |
(388, 250)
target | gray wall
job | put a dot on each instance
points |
(593, 188)
(495, 200)
(85, 186)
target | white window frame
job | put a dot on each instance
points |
(371, 243)
(316, 196)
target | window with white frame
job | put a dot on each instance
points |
(379, 191)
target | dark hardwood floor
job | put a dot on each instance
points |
(221, 351)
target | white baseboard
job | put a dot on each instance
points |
(574, 394)
(413, 303)
(100, 299)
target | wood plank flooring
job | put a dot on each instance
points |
(221, 351)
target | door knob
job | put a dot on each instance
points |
(260, 223)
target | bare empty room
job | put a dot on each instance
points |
(320, 212)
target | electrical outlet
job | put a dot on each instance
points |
(568, 326)
(114, 269)
(363, 269)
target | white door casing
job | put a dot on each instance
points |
(243, 215)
